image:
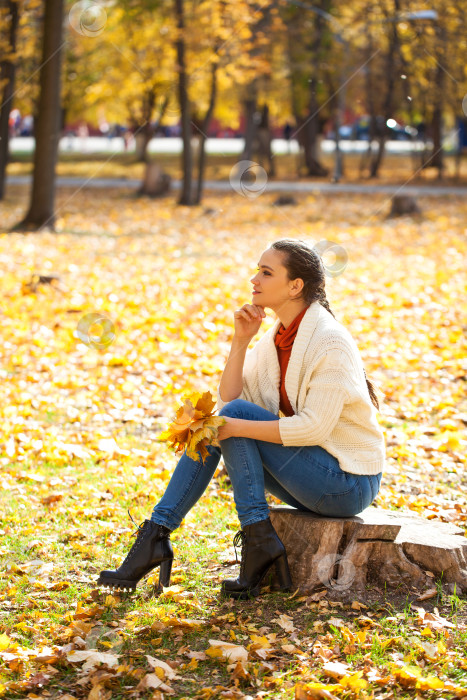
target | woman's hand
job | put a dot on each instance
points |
(247, 320)
(228, 429)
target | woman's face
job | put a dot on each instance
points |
(271, 285)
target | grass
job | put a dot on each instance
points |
(94, 535)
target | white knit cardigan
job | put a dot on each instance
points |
(327, 389)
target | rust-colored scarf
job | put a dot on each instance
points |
(284, 340)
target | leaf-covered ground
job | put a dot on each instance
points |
(78, 447)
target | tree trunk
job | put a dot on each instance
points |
(142, 139)
(187, 156)
(203, 134)
(436, 159)
(370, 103)
(250, 101)
(262, 148)
(307, 136)
(145, 131)
(392, 57)
(7, 75)
(308, 125)
(251, 112)
(41, 211)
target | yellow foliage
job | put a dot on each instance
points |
(194, 426)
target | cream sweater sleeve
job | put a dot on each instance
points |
(328, 389)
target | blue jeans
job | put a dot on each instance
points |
(307, 478)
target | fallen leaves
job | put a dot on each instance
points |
(285, 622)
(226, 650)
(92, 659)
(156, 680)
(79, 442)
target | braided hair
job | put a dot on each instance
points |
(304, 262)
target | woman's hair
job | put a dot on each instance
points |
(300, 260)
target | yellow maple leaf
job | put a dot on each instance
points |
(205, 404)
(5, 641)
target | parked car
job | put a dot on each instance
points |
(345, 132)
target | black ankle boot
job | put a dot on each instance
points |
(261, 548)
(152, 548)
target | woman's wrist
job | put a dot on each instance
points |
(241, 341)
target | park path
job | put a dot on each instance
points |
(271, 186)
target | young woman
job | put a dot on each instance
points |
(300, 424)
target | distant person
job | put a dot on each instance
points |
(27, 125)
(288, 130)
(14, 120)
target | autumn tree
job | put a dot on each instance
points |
(257, 122)
(220, 68)
(133, 65)
(434, 49)
(309, 49)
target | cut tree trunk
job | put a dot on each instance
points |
(402, 204)
(156, 183)
(393, 549)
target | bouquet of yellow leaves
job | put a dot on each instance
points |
(194, 427)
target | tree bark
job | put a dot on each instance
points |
(7, 74)
(250, 112)
(47, 131)
(145, 131)
(187, 156)
(307, 136)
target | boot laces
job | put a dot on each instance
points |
(139, 538)
(240, 539)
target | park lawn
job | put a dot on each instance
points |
(78, 447)
(396, 168)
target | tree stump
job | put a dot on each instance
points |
(377, 546)
(156, 183)
(402, 204)
(285, 200)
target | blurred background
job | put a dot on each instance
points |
(327, 90)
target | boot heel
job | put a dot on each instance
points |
(164, 572)
(283, 573)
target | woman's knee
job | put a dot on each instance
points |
(234, 409)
